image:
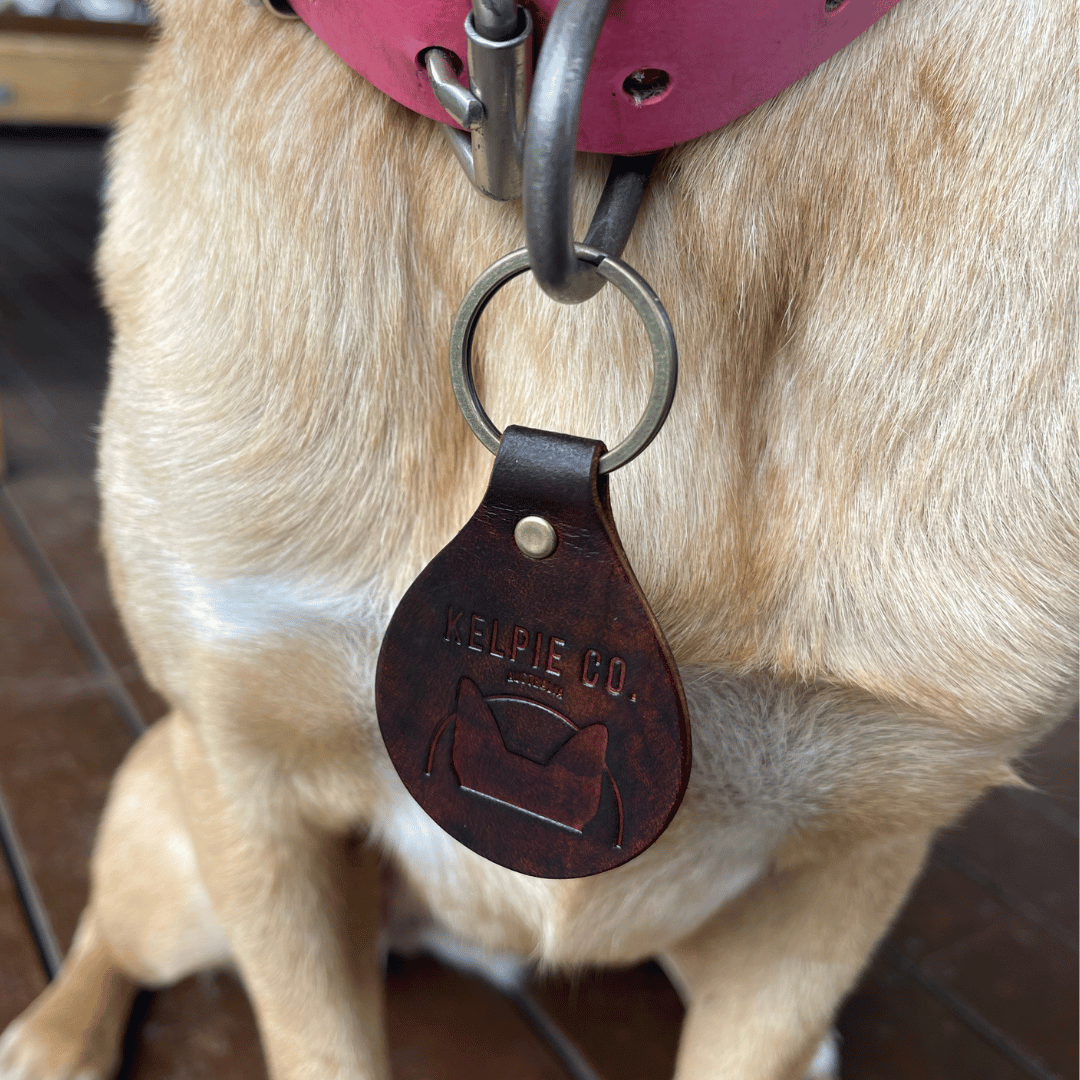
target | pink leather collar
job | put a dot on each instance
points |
(722, 57)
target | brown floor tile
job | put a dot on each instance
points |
(1051, 766)
(1012, 973)
(21, 975)
(26, 441)
(52, 324)
(442, 1026)
(33, 645)
(892, 1029)
(626, 1023)
(945, 907)
(60, 506)
(60, 741)
(446, 1026)
(1033, 861)
(202, 1029)
(1022, 982)
(59, 503)
(55, 768)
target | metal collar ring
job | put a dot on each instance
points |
(632, 285)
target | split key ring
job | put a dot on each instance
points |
(632, 285)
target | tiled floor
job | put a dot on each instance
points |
(977, 979)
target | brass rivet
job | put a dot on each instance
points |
(535, 537)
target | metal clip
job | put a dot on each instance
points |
(502, 146)
(495, 106)
(464, 106)
(550, 152)
(499, 75)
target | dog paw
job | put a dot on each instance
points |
(30, 1051)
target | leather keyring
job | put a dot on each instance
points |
(524, 690)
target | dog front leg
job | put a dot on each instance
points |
(762, 979)
(303, 926)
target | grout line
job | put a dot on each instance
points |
(132, 1042)
(557, 1040)
(70, 615)
(512, 986)
(36, 915)
(968, 1015)
(953, 859)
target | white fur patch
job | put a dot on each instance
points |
(499, 969)
(244, 609)
(826, 1063)
(414, 837)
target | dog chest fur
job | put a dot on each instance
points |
(772, 760)
(857, 528)
(850, 528)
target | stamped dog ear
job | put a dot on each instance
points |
(529, 636)
(564, 790)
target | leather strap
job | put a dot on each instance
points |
(722, 57)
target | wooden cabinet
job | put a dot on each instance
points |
(59, 71)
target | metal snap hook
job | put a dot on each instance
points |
(632, 285)
(499, 35)
(493, 110)
(550, 147)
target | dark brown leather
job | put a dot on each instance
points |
(532, 706)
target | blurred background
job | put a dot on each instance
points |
(977, 981)
(109, 11)
(68, 61)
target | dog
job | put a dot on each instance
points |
(857, 528)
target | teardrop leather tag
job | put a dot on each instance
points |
(531, 706)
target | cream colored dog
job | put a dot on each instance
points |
(858, 528)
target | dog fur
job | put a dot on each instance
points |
(858, 527)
